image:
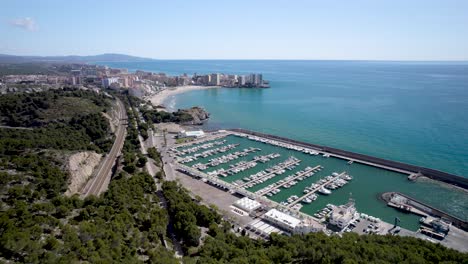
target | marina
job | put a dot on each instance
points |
(320, 187)
(367, 181)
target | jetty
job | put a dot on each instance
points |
(227, 158)
(314, 190)
(244, 165)
(208, 153)
(197, 148)
(296, 176)
(274, 172)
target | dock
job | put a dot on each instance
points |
(282, 167)
(316, 189)
(208, 153)
(229, 157)
(262, 192)
(245, 165)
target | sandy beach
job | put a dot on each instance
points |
(158, 99)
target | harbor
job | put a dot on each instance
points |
(364, 188)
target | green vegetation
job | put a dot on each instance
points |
(39, 225)
(224, 247)
(165, 117)
(33, 68)
(42, 108)
(186, 214)
(183, 140)
(125, 225)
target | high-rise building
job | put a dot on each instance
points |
(106, 82)
(241, 80)
(258, 79)
(215, 79)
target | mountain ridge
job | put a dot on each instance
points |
(110, 57)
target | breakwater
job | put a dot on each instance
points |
(428, 209)
(370, 160)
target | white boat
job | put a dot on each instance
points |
(324, 190)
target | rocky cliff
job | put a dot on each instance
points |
(197, 114)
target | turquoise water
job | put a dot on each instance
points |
(414, 112)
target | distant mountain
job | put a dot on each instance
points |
(110, 57)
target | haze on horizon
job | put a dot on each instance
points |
(208, 29)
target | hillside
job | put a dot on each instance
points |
(108, 57)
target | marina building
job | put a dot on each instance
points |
(342, 215)
(282, 220)
(191, 134)
(247, 204)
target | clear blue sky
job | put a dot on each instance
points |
(347, 29)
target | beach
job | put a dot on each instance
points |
(159, 98)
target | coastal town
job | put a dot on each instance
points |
(138, 84)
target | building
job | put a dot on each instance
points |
(342, 215)
(191, 134)
(215, 79)
(247, 204)
(308, 226)
(107, 82)
(282, 220)
(257, 79)
(241, 80)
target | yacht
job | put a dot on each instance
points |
(324, 190)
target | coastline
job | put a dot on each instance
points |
(159, 98)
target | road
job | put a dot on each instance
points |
(100, 181)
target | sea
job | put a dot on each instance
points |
(413, 112)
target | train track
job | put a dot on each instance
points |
(100, 181)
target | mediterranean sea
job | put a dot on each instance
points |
(414, 112)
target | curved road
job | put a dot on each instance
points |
(100, 181)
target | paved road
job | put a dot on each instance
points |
(23, 128)
(100, 181)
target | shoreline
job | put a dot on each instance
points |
(159, 98)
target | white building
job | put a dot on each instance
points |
(291, 224)
(342, 215)
(284, 221)
(106, 82)
(191, 134)
(247, 204)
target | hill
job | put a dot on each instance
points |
(108, 57)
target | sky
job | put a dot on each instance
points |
(241, 29)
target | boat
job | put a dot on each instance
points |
(324, 190)
(307, 200)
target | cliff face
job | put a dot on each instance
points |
(198, 115)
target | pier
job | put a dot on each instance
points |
(245, 165)
(197, 148)
(311, 170)
(208, 153)
(280, 167)
(421, 208)
(316, 189)
(227, 158)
